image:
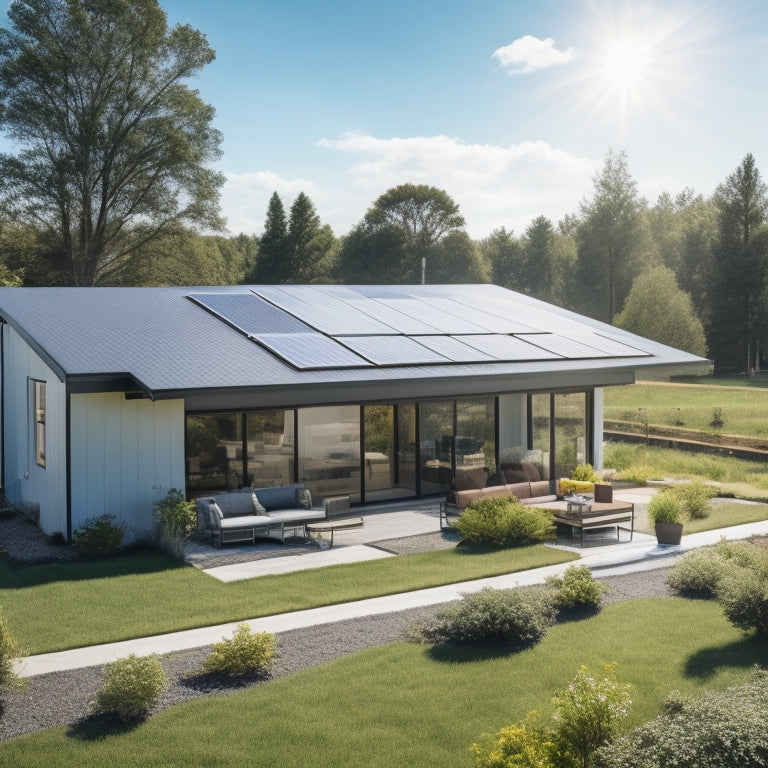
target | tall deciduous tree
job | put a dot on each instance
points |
(405, 225)
(657, 309)
(113, 146)
(737, 294)
(612, 238)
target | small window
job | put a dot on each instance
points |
(40, 423)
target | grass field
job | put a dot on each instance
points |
(743, 411)
(68, 605)
(402, 705)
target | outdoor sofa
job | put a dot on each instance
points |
(538, 492)
(251, 513)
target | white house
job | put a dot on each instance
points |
(112, 396)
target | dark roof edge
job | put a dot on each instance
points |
(47, 358)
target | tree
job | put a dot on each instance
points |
(737, 287)
(504, 253)
(310, 244)
(657, 309)
(403, 229)
(113, 146)
(613, 243)
(273, 246)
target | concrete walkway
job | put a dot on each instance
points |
(641, 554)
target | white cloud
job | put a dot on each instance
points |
(528, 53)
(245, 196)
(493, 185)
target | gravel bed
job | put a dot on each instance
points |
(65, 698)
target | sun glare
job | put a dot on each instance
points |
(626, 63)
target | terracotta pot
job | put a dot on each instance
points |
(669, 533)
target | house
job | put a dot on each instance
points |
(113, 396)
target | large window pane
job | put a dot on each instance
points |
(475, 442)
(539, 455)
(270, 448)
(436, 445)
(214, 452)
(570, 432)
(379, 425)
(406, 448)
(329, 450)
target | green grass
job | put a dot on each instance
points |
(743, 411)
(747, 479)
(404, 705)
(67, 605)
(722, 515)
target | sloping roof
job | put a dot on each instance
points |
(183, 340)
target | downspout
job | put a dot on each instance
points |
(68, 478)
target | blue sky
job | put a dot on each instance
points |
(508, 105)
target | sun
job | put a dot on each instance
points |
(627, 63)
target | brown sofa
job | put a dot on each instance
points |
(538, 492)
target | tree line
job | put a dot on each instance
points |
(110, 183)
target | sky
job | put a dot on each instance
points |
(510, 106)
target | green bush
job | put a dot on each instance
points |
(519, 616)
(725, 728)
(666, 507)
(585, 473)
(99, 536)
(504, 522)
(699, 572)
(9, 651)
(743, 594)
(588, 712)
(179, 519)
(577, 589)
(131, 686)
(245, 653)
(695, 497)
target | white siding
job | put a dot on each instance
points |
(40, 490)
(126, 455)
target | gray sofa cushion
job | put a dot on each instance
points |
(279, 497)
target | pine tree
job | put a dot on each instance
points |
(271, 265)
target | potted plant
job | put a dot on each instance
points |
(666, 513)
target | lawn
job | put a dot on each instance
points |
(743, 411)
(401, 704)
(722, 515)
(68, 605)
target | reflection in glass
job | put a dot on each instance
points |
(570, 432)
(214, 449)
(329, 450)
(436, 445)
(406, 448)
(270, 448)
(539, 454)
(475, 442)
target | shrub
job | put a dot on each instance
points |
(585, 473)
(131, 686)
(695, 499)
(179, 520)
(699, 572)
(99, 536)
(519, 616)
(522, 745)
(504, 522)
(725, 728)
(743, 595)
(9, 651)
(665, 507)
(588, 712)
(245, 653)
(577, 588)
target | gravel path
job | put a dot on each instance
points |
(64, 698)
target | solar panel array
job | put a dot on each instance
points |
(327, 327)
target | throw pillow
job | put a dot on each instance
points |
(214, 510)
(257, 505)
(304, 498)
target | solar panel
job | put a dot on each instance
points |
(484, 321)
(249, 314)
(561, 345)
(454, 349)
(393, 350)
(511, 348)
(310, 351)
(445, 319)
(394, 319)
(612, 346)
(325, 312)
